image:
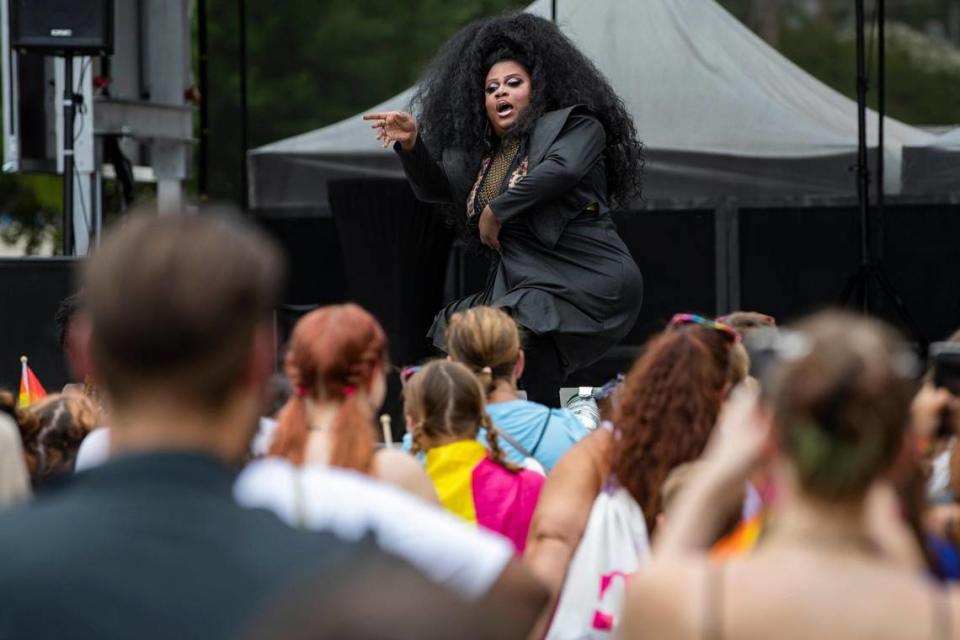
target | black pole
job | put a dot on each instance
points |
(244, 198)
(863, 175)
(870, 260)
(202, 54)
(68, 115)
(881, 113)
(553, 11)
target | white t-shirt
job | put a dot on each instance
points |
(452, 553)
(94, 449)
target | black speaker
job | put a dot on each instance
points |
(62, 26)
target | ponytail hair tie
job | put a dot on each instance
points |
(300, 391)
(349, 391)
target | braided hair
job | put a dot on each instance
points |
(334, 354)
(445, 400)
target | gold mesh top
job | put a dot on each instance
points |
(492, 181)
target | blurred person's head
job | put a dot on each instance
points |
(14, 476)
(73, 336)
(444, 402)
(59, 423)
(487, 341)
(841, 405)
(745, 323)
(750, 325)
(181, 344)
(667, 407)
(337, 356)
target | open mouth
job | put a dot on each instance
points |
(504, 108)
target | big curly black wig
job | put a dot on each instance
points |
(449, 101)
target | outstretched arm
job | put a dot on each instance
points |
(575, 151)
(426, 176)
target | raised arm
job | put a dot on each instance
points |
(426, 176)
(740, 441)
(563, 510)
(575, 151)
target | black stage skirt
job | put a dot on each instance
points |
(585, 293)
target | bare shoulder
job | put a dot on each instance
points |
(953, 602)
(590, 455)
(573, 484)
(401, 469)
(564, 508)
(660, 600)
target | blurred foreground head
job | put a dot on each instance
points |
(179, 308)
(841, 403)
(382, 600)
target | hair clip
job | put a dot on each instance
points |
(349, 391)
(729, 333)
(300, 391)
(408, 372)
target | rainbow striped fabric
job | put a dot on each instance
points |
(741, 540)
(479, 490)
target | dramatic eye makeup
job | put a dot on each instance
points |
(513, 82)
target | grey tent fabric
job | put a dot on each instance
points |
(933, 169)
(721, 112)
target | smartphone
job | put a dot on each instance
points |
(945, 357)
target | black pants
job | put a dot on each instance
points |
(543, 373)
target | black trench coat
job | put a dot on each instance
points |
(564, 271)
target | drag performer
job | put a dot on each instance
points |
(524, 136)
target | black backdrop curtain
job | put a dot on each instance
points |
(395, 250)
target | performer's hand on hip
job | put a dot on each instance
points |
(490, 229)
(394, 126)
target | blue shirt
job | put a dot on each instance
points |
(527, 423)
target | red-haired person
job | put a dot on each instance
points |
(326, 470)
(664, 414)
(337, 364)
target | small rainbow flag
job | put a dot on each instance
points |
(742, 540)
(30, 388)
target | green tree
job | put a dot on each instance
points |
(922, 70)
(313, 63)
